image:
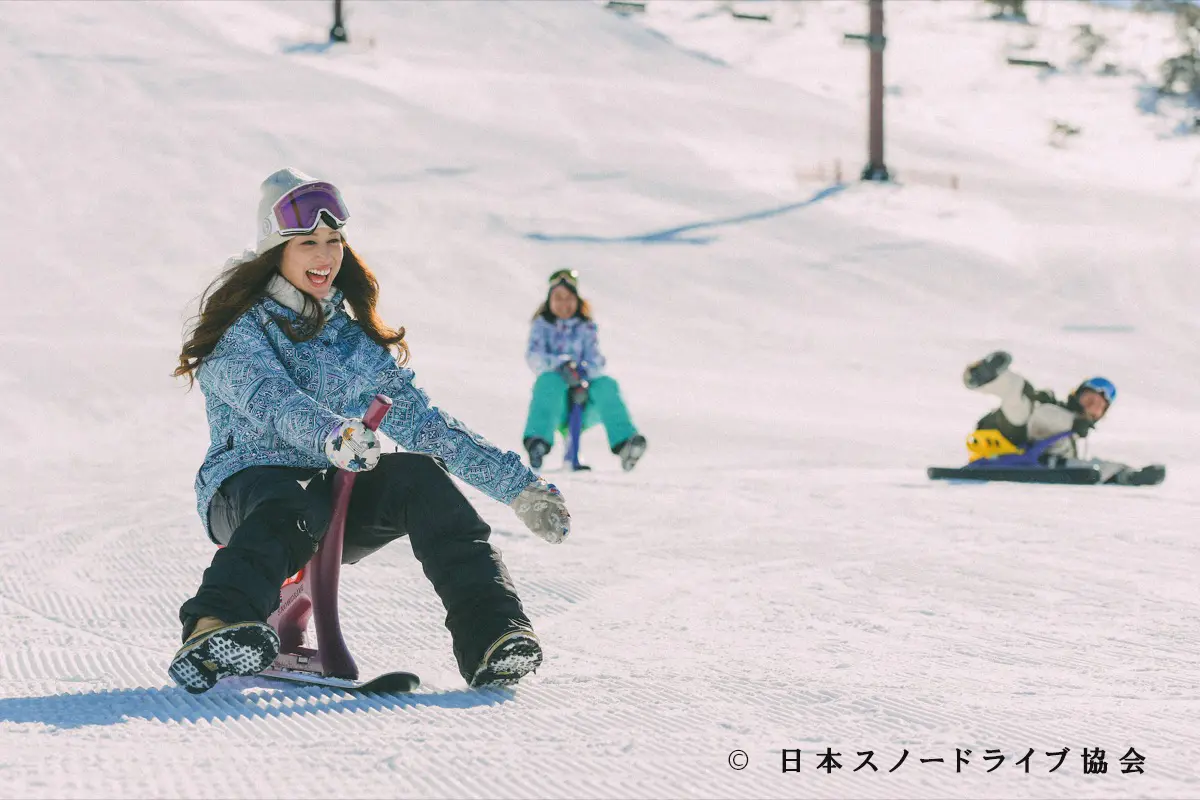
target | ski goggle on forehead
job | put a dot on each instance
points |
(299, 210)
(568, 275)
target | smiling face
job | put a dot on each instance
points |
(563, 302)
(1093, 404)
(311, 261)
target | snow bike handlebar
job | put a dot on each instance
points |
(379, 408)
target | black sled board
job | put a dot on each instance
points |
(387, 683)
(1076, 476)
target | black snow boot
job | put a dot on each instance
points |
(243, 648)
(510, 658)
(986, 370)
(1146, 476)
(630, 451)
(537, 449)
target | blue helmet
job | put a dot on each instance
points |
(1103, 386)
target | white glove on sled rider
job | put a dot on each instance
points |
(352, 446)
(541, 507)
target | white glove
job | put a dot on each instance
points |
(352, 446)
(541, 507)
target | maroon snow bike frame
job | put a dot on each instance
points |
(313, 593)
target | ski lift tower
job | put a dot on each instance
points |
(338, 32)
(876, 169)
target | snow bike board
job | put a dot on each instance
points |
(387, 683)
(1077, 476)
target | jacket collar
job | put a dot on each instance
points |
(569, 322)
(285, 294)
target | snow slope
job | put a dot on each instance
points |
(777, 573)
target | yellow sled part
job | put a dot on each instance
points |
(988, 443)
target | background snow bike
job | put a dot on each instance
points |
(577, 396)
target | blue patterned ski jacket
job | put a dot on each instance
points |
(552, 343)
(272, 401)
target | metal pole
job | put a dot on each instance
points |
(876, 170)
(338, 32)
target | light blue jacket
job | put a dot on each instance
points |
(552, 343)
(272, 401)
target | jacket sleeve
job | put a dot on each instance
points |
(537, 352)
(244, 373)
(1049, 419)
(591, 350)
(419, 427)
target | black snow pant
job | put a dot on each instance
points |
(271, 520)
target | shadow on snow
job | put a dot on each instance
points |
(245, 698)
(678, 235)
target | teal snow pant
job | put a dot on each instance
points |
(549, 407)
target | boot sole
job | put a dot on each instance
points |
(246, 648)
(513, 657)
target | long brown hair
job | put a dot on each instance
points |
(241, 286)
(583, 311)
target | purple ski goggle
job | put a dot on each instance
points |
(299, 211)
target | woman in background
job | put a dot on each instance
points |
(564, 354)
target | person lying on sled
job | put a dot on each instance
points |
(1027, 415)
